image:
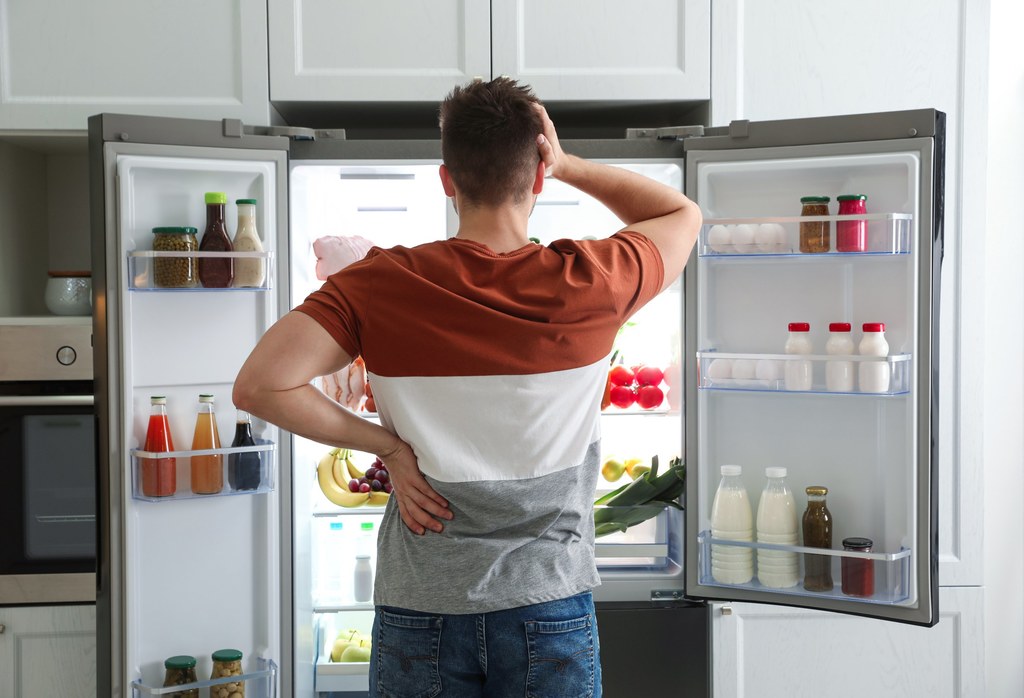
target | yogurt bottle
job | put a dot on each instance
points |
(777, 524)
(798, 372)
(732, 519)
(874, 375)
(839, 373)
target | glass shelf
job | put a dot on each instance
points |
(182, 462)
(891, 570)
(766, 372)
(887, 234)
(261, 683)
(148, 267)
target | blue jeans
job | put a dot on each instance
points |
(547, 650)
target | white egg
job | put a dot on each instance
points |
(743, 369)
(720, 368)
(780, 237)
(719, 239)
(743, 237)
(768, 370)
(764, 237)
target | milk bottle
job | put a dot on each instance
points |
(732, 519)
(777, 523)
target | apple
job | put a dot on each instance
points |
(341, 645)
(355, 653)
(639, 470)
(612, 470)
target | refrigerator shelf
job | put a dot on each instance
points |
(144, 266)
(261, 683)
(326, 606)
(891, 570)
(645, 544)
(772, 368)
(182, 467)
(779, 236)
(342, 511)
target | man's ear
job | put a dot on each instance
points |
(538, 178)
(446, 180)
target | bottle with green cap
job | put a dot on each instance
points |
(216, 272)
(179, 671)
(250, 272)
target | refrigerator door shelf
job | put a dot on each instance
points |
(891, 571)
(182, 459)
(713, 366)
(146, 267)
(643, 544)
(723, 238)
(261, 683)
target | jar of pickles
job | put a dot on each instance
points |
(179, 671)
(815, 236)
(175, 271)
(227, 663)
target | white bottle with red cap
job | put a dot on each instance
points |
(799, 372)
(839, 373)
(874, 375)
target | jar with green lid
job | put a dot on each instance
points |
(175, 271)
(227, 663)
(181, 670)
(815, 236)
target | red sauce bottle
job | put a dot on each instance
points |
(215, 272)
(159, 475)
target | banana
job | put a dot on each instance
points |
(335, 493)
(353, 472)
(378, 499)
(338, 470)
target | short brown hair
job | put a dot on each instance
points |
(489, 140)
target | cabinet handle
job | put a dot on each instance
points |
(726, 610)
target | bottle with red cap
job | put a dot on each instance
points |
(874, 375)
(799, 372)
(839, 373)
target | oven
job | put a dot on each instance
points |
(48, 462)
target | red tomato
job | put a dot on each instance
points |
(620, 375)
(622, 396)
(649, 397)
(649, 375)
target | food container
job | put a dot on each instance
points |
(69, 293)
(815, 236)
(858, 573)
(852, 236)
(227, 663)
(175, 272)
(181, 670)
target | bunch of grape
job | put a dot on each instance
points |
(375, 479)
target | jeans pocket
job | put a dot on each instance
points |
(561, 658)
(407, 648)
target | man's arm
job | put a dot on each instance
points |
(665, 216)
(274, 384)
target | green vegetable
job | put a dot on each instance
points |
(641, 499)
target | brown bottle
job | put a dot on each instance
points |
(216, 272)
(817, 526)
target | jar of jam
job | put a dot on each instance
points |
(858, 573)
(852, 236)
(815, 236)
(179, 671)
(174, 271)
(227, 663)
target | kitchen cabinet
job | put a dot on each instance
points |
(61, 64)
(575, 50)
(48, 651)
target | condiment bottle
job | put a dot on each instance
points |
(874, 375)
(858, 574)
(362, 582)
(181, 670)
(838, 373)
(798, 372)
(732, 519)
(159, 475)
(227, 663)
(250, 272)
(817, 529)
(815, 236)
(207, 470)
(777, 524)
(852, 236)
(216, 272)
(243, 468)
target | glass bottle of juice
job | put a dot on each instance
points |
(207, 470)
(216, 272)
(159, 475)
(817, 529)
(243, 468)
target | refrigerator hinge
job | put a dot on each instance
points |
(740, 128)
(666, 594)
(666, 133)
(294, 133)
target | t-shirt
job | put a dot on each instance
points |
(492, 368)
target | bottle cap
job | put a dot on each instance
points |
(730, 470)
(816, 491)
(180, 661)
(245, 201)
(362, 557)
(814, 199)
(799, 327)
(839, 327)
(158, 400)
(851, 197)
(216, 197)
(858, 543)
(874, 327)
(205, 398)
(227, 655)
(175, 230)
(775, 472)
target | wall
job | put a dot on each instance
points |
(23, 235)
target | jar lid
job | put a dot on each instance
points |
(227, 655)
(814, 199)
(839, 327)
(852, 197)
(246, 201)
(799, 327)
(181, 661)
(175, 230)
(158, 400)
(730, 470)
(774, 472)
(874, 327)
(205, 398)
(216, 197)
(816, 491)
(61, 274)
(858, 543)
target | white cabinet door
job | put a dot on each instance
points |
(761, 650)
(605, 49)
(59, 64)
(801, 58)
(388, 50)
(48, 651)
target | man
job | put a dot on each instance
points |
(487, 355)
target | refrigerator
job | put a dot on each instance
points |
(269, 571)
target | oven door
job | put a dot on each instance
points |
(48, 499)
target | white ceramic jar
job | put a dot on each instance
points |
(69, 293)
